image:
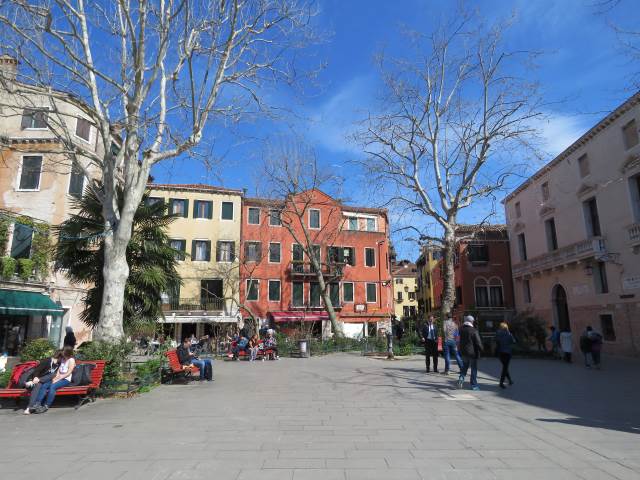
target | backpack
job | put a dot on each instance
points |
(81, 375)
(18, 374)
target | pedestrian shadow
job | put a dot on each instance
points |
(594, 423)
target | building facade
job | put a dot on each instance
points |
(575, 234)
(483, 283)
(405, 292)
(425, 265)
(38, 184)
(278, 284)
(207, 233)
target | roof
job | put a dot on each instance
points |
(480, 228)
(268, 202)
(403, 268)
(194, 187)
(592, 132)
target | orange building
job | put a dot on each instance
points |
(277, 282)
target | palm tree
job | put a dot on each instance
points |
(79, 253)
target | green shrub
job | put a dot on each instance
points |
(114, 354)
(25, 268)
(4, 378)
(8, 267)
(149, 371)
(37, 349)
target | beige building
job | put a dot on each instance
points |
(405, 296)
(425, 265)
(207, 231)
(37, 185)
(574, 230)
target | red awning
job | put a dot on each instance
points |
(295, 316)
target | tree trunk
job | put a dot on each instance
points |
(336, 326)
(449, 281)
(115, 273)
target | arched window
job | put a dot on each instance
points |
(481, 292)
(496, 297)
(489, 294)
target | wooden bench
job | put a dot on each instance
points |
(180, 371)
(87, 393)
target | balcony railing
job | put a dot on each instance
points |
(306, 269)
(308, 306)
(592, 247)
(634, 233)
(194, 304)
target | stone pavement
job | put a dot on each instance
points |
(344, 417)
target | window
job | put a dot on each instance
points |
(583, 166)
(526, 291)
(606, 324)
(314, 294)
(316, 252)
(76, 182)
(344, 255)
(372, 293)
(274, 290)
(201, 250)
(478, 253)
(399, 297)
(297, 294)
(600, 278)
(590, 209)
(227, 211)
(180, 246)
(634, 188)
(274, 252)
(211, 293)
(21, 242)
(482, 293)
(225, 251)
(334, 294)
(83, 129)
(522, 247)
(314, 219)
(495, 295)
(179, 207)
(369, 257)
(347, 292)
(412, 296)
(30, 172)
(352, 223)
(253, 290)
(518, 210)
(399, 281)
(202, 209)
(545, 191)
(253, 216)
(630, 134)
(552, 239)
(253, 251)
(33, 118)
(297, 253)
(371, 225)
(274, 218)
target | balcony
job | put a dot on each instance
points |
(592, 247)
(305, 269)
(634, 233)
(315, 307)
(206, 305)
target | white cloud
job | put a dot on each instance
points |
(558, 131)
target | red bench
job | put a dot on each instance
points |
(177, 370)
(269, 354)
(87, 393)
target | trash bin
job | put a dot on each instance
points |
(303, 347)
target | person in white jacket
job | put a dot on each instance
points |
(566, 344)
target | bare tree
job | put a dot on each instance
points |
(295, 182)
(453, 118)
(150, 75)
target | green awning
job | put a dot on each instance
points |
(16, 302)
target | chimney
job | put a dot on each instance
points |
(8, 67)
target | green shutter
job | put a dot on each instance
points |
(193, 250)
(186, 208)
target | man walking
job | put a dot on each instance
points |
(450, 334)
(470, 348)
(430, 339)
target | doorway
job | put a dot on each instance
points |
(561, 308)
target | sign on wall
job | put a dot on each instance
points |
(631, 282)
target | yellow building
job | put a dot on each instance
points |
(405, 299)
(207, 231)
(424, 265)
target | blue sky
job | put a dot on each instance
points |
(583, 73)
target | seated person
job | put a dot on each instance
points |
(43, 373)
(270, 343)
(62, 378)
(241, 345)
(187, 358)
(254, 347)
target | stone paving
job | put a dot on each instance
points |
(344, 417)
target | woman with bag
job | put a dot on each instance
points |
(504, 344)
(62, 378)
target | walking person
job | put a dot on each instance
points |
(449, 347)
(470, 349)
(596, 346)
(430, 339)
(585, 346)
(554, 338)
(566, 344)
(504, 348)
(69, 338)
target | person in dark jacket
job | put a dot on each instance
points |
(69, 338)
(43, 373)
(470, 349)
(504, 344)
(586, 345)
(429, 335)
(187, 358)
